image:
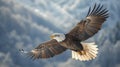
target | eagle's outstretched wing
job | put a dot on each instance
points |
(92, 23)
(46, 50)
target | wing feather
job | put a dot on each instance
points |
(92, 23)
(47, 50)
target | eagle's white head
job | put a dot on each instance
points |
(58, 36)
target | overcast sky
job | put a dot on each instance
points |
(27, 23)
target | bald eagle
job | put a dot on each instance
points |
(73, 40)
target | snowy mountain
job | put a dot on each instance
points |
(27, 23)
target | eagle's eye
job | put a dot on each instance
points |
(57, 35)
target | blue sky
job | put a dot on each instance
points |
(27, 23)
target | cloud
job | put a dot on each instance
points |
(25, 28)
(71, 63)
(6, 60)
(54, 13)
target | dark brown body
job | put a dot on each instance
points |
(71, 43)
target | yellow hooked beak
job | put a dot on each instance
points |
(52, 36)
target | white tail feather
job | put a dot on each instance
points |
(89, 52)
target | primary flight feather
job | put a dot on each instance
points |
(85, 29)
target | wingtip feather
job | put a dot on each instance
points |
(98, 10)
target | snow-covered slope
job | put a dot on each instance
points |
(26, 23)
